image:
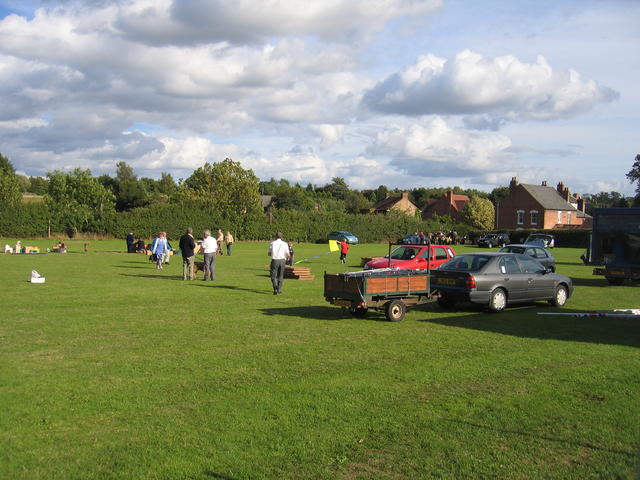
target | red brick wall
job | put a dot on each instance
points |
(518, 199)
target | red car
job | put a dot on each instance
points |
(414, 257)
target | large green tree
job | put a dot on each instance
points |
(224, 186)
(479, 213)
(78, 201)
(131, 192)
(10, 189)
(634, 176)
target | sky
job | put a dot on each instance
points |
(402, 93)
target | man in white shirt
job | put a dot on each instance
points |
(279, 253)
(209, 248)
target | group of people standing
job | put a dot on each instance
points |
(211, 247)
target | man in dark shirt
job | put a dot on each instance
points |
(131, 243)
(187, 247)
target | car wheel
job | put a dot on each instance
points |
(489, 245)
(615, 280)
(560, 297)
(446, 302)
(395, 310)
(498, 300)
(358, 312)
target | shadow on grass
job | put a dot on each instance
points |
(590, 282)
(154, 276)
(590, 446)
(320, 313)
(145, 267)
(217, 476)
(525, 322)
(213, 284)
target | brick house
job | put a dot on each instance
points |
(401, 204)
(449, 204)
(541, 207)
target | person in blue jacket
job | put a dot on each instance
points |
(158, 248)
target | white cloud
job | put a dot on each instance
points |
(501, 88)
(188, 22)
(435, 149)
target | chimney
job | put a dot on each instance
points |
(544, 183)
(581, 205)
(405, 195)
(514, 182)
(566, 194)
(560, 188)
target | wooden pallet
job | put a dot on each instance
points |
(298, 273)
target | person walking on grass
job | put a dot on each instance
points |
(158, 248)
(279, 253)
(219, 239)
(344, 248)
(228, 240)
(209, 248)
(187, 247)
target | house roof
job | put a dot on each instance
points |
(457, 201)
(386, 203)
(548, 197)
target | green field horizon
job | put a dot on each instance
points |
(112, 369)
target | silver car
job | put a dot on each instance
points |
(497, 280)
(538, 252)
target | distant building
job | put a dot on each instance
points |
(449, 204)
(400, 204)
(541, 207)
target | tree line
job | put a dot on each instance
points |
(78, 201)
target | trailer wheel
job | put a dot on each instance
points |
(395, 310)
(358, 312)
(615, 280)
(560, 297)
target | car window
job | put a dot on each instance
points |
(529, 251)
(441, 253)
(466, 263)
(529, 265)
(403, 253)
(424, 253)
(509, 265)
(450, 252)
(541, 253)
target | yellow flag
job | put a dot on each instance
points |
(333, 246)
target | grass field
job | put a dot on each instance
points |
(112, 369)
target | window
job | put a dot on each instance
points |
(569, 218)
(534, 217)
(529, 265)
(520, 217)
(509, 265)
(441, 253)
(559, 216)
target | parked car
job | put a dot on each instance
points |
(538, 252)
(497, 280)
(413, 257)
(412, 239)
(543, 239)
(491, 240)
(341, 235)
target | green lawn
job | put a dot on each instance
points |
(112, 369)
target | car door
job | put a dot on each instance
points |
(540, 285)
(511, 276)
(438, 257)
